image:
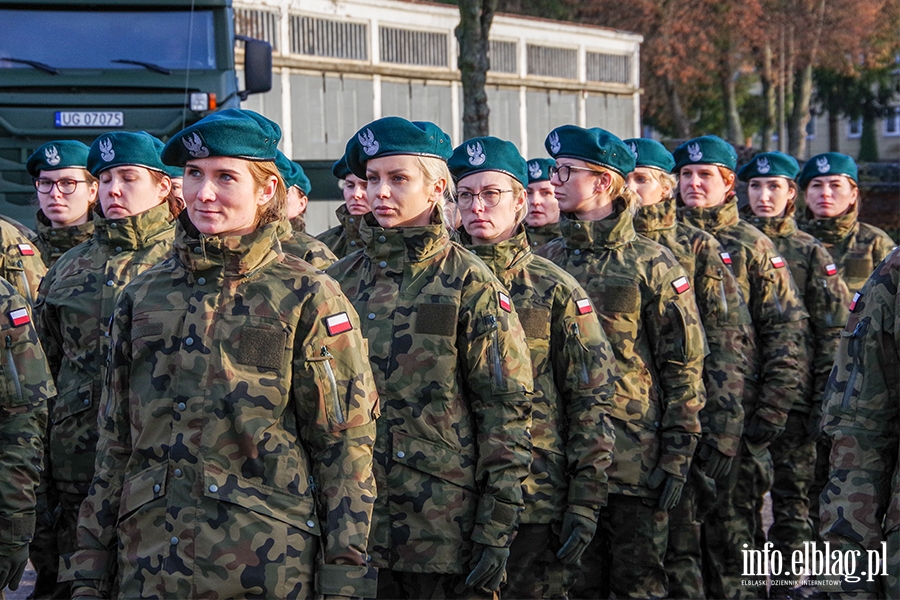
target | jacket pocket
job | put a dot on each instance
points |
(72, 402)
(636, 453)
(142, 488)
(322, 363)
(855, 349)
(581, 359)
(436, 460)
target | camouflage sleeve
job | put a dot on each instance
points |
(586, 371)
(22, 264)
(48, 327)
(882, 247)
(782, 327)
(728, 328)
(337, 403)
(862, 399)
(26, 386)
(679, 345)
(319, 255)
(497, 377)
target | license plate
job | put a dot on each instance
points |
(90, 118)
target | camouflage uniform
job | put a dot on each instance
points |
(20, 262)
(861, 500)
(74, 310)
(304, 246)
(238, 400)
(541, 236)
(776, 376)
(729, 334)
(574, 374)
(649, 314)
(825, 297)
(27, 386)
(452, 370)
(344, 238)
(53, 242)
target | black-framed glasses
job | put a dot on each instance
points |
(563, 171)
(489, 198)
(65, 186)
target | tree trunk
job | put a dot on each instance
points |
(474, 27)
(768, 84)
(868, 143)
(679, 119)
(734, 132)
(834, 131)
(800, 113)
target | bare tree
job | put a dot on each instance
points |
(475, 17)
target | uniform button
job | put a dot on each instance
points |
(118, 248)
(577, 252)
(351, 220)
(371, 316)
(156, 488)
(382, 264)
(368, 558)
(401, 454)
(110, 283)
(106, 334)
(174, 541)
(177, 472)
(352, 242)
(182, 406)
(213, 488)
(656, 423)
(189, 341)
(577, 225)
(201, 281)
(56, 249)
(381, 238)
(197, 250)
(52, 234)
(87, 401)
(310, 523)
(113, 225)
(534, 244)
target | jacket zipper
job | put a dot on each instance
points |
(338, 409)
(26, 287)
(576, 334)
(13, 370)
(495, 347)
(723, 299)
(854, 349)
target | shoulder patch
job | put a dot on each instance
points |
(831, 269)
(726, 257)
(777, 262)
(26, 250)
(505, 302)
(338, 323)
(19, 317)
(853, 302)
(681, 284)
(583, 306)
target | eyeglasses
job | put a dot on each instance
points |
(65, 186)
(563, 172)
(489, 198)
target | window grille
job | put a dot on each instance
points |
(408, 47)
(324, 37)
(504, 57)
(552, 62)
(608, 68)
(259, 24)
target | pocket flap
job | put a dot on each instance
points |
(140, 489)
(72, 402)
(435, 459)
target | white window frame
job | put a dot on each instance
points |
(857, 134)
(893, 118)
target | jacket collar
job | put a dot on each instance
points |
(615, 230)
(399, 245)
(783, 226)
(63, 238)
(237, 256)
(349, 222)
(656, 217)
(835, 229)
(298, 223)
(711, 219)
(135, 232)
(503, 255)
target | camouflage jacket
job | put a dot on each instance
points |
(856, 247)
(53, 242)
(305, 247)
(73, 312)
(724, 314)
(23, 231)
(647, 308)
(453, 370)
(344, 238)
(860, 505)
(20, 262)
(27, 386)
(541, 236)
(239, 396)
(823, 292)
(574, 381)
(781, 375)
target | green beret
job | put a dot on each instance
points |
(651, 154)
(830, 163)
(340, 169)
(770, 164)
(230, 132)
(292, 173)
(593, 145)
(59, 154)
(488, 154)
(175, 172)
(392, 136)
(706, 150)
(539, 169)
(121, 148)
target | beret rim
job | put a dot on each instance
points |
(593, 162)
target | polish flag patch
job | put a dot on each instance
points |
(19, 317)
(726, 258)
(584, 306)
(777, 262)
(831, 269)
(505, 303)
(26, 250)
(853, 302)
(681, 285)
(338, 323)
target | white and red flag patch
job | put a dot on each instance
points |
(726, 257)
(19, 317)
(853, 302)
(505, 302)
(584, 306)
(777, 262)
(681, 285)
(26, 250)
(831, 269)
(338, 323)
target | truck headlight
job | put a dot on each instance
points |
(201, 101)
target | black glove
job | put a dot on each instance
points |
(12, 566)
(671, 492)
(490, 568)
(760, 431)
(715, 464)
(577, 532)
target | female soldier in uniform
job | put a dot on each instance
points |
(776, 374)
(542, 220)
(726, 322)
(452, 369)
(66, 192)
(647, 308)
(573, 366)
(344, 238)
(239, 399)
(133, 230)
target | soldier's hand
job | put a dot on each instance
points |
(671, 492)
(761, 431)
(577, 533)
(489, 568)
(12, 565)
(715, 464)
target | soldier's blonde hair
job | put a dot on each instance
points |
(274, 209)
(618, 189)
(666, 180)
(433, 170)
